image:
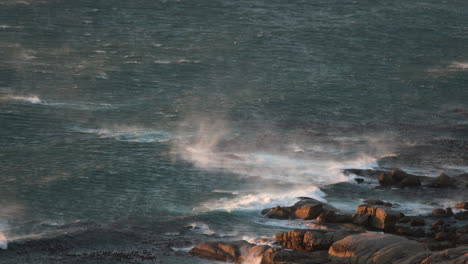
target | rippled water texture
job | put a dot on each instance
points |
(177, 121)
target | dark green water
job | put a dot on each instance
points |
(152, 116)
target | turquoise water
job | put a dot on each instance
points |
(161, 115)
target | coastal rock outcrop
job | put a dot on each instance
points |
(377, 217)
(457, 255)
(311, 240)
(244, 252)
(399, 178)
(463, 205)
(370, 248)
(231, 252)
(306, 208)
(442, 181)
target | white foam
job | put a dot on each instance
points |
(29, 99)
(201, 228)
(256, 201)
(3, 241)
(263, 240)
(459, 65)
(129, 134)
(182, 249)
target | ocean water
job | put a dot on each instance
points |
(177, 121)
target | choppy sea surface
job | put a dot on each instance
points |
(128, 122)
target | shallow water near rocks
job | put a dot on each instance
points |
(154, 125)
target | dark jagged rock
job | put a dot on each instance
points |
(279, 212)
(462, 216)
(359, 180)
(449, 211)
(378, 202)
(415, 221)
(440, 213)
(329, 216)
(377, 248)
(367, 173)
(376, 217)
(311, 240)
(436, 225)
(442, 181)
(399, 178)
(410, 232)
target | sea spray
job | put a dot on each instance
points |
(3, 241)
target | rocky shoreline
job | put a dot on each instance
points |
(376, 233)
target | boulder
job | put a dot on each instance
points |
(308, 211)
(376, 217)
(436, 225)
(463, 205)
(243, 252)
(372, 248)
(399, 178)
(230, 252)
(386, 179)
(328, 216)
(462, 216)
(359, 180)
(306, 208)
(442, 181)
(311, 240)
(279, 212)
(440, 213)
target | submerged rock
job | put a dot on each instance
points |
(368, 173)
(462, 216)
(377, 249)
(442, 181)
(440, 213)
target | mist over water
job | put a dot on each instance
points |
(181, 120)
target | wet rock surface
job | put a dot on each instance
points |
(377, 248)
(311, 240)
(306, 208)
